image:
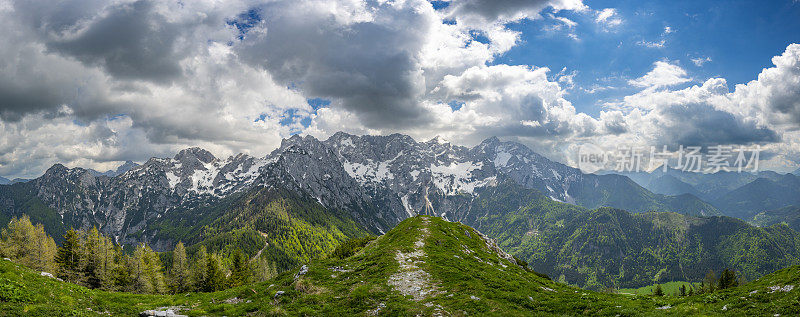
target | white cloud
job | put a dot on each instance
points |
(663, 74)
(700, 61)
(659, 44)
(608, 18)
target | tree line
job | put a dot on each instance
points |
(88, 258)
(727, 279)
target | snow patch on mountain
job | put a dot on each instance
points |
(456, 177)
(370, 172)
(502, 159)
(172, 179)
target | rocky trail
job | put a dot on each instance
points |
(411, 279)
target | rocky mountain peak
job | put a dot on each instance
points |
(438, 140)
(56, 169)
(195, 153)
(127, 166)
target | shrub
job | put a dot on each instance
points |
(350, 247)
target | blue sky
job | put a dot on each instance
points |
(740, 38)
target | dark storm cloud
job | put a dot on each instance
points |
(701, 124)
(370, 67)
(131, 41)
(493, 10)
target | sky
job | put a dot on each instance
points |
(94, 83)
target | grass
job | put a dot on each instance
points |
(471, 279)
(669, 288)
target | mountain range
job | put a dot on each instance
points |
(741, 195)
(308, 195)
(381, 179)
(6, 181)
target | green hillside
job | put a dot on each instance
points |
(425, 266)
(19, 199)
(284, 227)
(623, 193)
(789, 215)
(600, 248)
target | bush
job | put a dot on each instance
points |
(350, 247)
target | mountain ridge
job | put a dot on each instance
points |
(394, 176)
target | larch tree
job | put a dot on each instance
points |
(27, 244)
(199, 269)
(179, 274)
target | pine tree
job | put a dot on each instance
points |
(107, 256)
(155, 271)
(68, 257)
(120, 273)
(240, 269)
(657, 291)
(179, 274)
(44, 259)
(728, 279)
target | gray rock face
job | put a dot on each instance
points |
(127, 166)
(380, 180)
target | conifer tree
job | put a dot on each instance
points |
(198, 269)
(215, 277)
(45, 256)
(657, 291)
(263, 270)
(91, 264)
(179, 274)
(240, 269)
(709, 282)
(68, 257)
(145, 268)
(120, 273)
(27, 244)
(728, 279)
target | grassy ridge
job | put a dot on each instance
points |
(470, 279)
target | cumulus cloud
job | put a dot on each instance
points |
(492, 11)
(167, 68)
(773, 98)
(663, 74)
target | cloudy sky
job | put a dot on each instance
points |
(93, 83)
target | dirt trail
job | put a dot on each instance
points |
(411, 279)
